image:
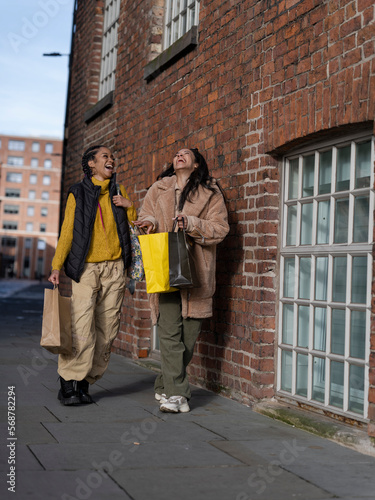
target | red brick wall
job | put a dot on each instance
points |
(265, 76)
(314, 67)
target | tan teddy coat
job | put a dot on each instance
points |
(207, 219)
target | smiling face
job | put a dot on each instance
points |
(184, 161)
(103, 166)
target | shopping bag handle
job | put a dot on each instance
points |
(140, 230)
(134, 228)
(175, 223)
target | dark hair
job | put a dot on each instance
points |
(87, 156)
(199, 177)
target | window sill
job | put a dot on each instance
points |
(99, 107)
(177, 50)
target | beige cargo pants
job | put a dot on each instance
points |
(96, 307)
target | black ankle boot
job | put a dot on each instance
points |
(83, 392)
(68, 394)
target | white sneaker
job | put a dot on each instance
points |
(174, 404)
(162, 398)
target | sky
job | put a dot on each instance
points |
(32, 87)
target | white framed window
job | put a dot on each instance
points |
(42, 245)
(326, 274)
(45, 195)
(10, 224)
(46, 180)
(28, 242)
(14, 177)
(29, 226)
(43, 228)
(15, 160)
(9, 242)
(44, 211)
(33, 178)
(49, 148)
(47, 163)
(16, 145)
(32, 194)
(180, 16)
(35, 147)
(30, 211)
(109, 47)
(34, 162)
(11, 209)
(12, 193)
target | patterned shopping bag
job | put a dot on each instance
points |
(135, 271)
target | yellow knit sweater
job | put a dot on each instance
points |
(105, 245)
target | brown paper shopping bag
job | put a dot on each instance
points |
(57, 325)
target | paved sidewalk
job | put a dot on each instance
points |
(122, 447)
(10, 287)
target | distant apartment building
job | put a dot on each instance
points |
(30, 178)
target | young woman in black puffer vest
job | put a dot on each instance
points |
(94, 248)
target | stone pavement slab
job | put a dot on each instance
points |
(25, 460)
(133, 454)
(100, 415)
(235, 427)
(69, 485)
(150, 428)
(347, 475)
(33, 432)
(28, 414)
(213, 483)
(337, 470)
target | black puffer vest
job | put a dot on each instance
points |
(86, 195)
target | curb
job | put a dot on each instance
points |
(347, 435)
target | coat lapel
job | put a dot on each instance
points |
(167, 203)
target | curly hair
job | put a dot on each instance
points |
(87, 156)
(199, 177)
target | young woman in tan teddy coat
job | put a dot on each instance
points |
(186, 192)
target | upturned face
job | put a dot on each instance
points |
(103, 166)
(184, 161)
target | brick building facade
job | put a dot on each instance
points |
(278, 95)
(30, 182)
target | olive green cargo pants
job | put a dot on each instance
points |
(177, 336)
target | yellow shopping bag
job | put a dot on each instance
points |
(155, 255)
